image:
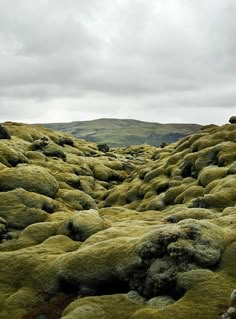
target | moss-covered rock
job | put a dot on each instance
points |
(76, 199)
(31, 178)
(186, 213)
(21, 208)
(10, 156)
(84, 224)
(211, 173)
(220, 195)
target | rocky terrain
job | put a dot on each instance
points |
(118, 133)
(139, 232)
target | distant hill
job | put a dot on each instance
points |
(117, 132)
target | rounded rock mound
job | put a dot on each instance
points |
(31, 178)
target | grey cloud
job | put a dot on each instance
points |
(102, 59)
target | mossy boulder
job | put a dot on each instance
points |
(17, 303)
(21, 208)
(189, 213)
(10, 156)
(104, 173)
(211, 173)
(165, 252)
(220, 194)
(29, 177)
(76, 199)
(84, 224)
(36, 233)
(187, 195)
(173, 193)
(49, 148)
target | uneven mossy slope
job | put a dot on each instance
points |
(139, 232)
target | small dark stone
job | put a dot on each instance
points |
(55, 153)
(163, 144)
(3, 221)
(103, 148)
(39, 144)
(232, 120)
(65, 141)
(4, 133)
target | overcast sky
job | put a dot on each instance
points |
(153, 60)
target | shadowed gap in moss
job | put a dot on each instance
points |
(75, 184)
(49, 208)
(51, 308)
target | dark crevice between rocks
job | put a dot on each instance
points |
(13, 162)
(108, 287)
(55, 153)
(5, 237)
(86, 206)
(116, 178)
(65, 141)
(141, 195)
(189, 171)
(52, 307)
(54, 304)
(70, 287)
(162, 188)
(170, 289)
(113, 286)
(73, 232)
(75, 184)
(198, 202)
(48, 208)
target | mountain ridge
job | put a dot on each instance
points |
(126, 132)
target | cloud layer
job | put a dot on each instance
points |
(156, 60)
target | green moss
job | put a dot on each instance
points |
(187, 195)
(210, 174)
(76, 199)
(173, 193)
(21, 208)
(167, 232)
(31, 178)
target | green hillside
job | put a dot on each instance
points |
(116, 132)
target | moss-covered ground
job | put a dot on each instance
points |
(138, 232)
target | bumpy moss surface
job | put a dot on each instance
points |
(134, 233)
